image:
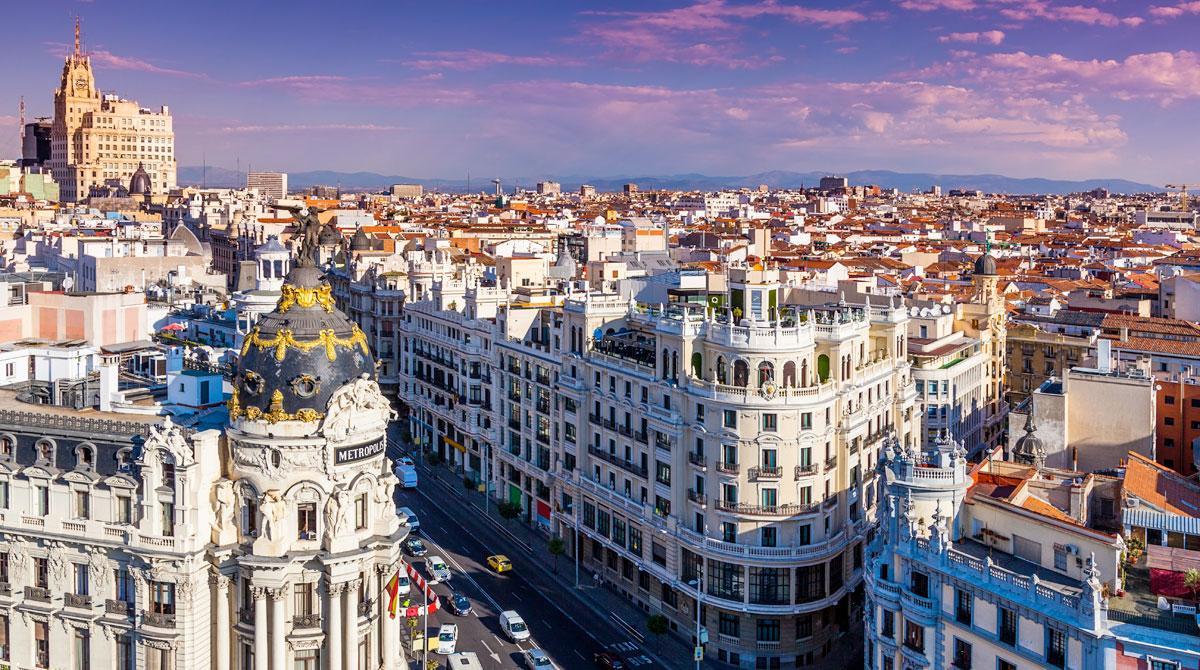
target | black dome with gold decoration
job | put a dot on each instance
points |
(298, 355)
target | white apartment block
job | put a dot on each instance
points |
(734, 443)
(270, 185)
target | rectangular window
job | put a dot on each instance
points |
(770, 423)
(1008, 627)
(920, 584)
(360, 512)
(1056, 648)
(302, 600)
(83, 649)
(4, 638)
(306, 521)
(41, 573)
(168, 519)
(729, 418)
(914, 636)
(43, 500)
(169, 476)
(124, 509)
(81, 579)
(124, 653)
(729, 624)
(962, 607)
(888, 624)
(41, 641)
(83, 505)
(162, 597)
(770, 536)
(962, 654)
(728, 531)
(1002, 664)
(806, 421)
(767, 630)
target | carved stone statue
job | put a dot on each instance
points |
(353, 403)
(385, 489)
(335, 512)
(170, 437)
(273, 509)
(98, 569)
(57, 564)
(225, 501)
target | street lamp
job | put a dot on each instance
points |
(699, 582)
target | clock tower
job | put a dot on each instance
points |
(75, 97)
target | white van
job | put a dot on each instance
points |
(463, 660)
(406, 472)
(513, 626)
(409, 517)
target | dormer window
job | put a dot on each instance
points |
(45, 452)
(8, 446)
(85, 457)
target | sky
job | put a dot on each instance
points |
(557, 88)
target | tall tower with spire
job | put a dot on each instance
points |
(75, 98)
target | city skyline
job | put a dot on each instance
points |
(1018, 87)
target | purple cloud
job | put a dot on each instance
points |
(475, 59)
(986, 37)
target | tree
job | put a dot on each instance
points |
(509, 510)
(1191, 579)
(412, 622)
(658, 626)
(557, 547)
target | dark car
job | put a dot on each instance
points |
(413, 546)
(608, 660)
(458, 604)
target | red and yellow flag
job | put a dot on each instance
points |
(393, 590)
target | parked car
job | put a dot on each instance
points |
(437, 569)
(413, 546)
(458, 604)
(447, 638)
(406, 472)
(537, 659)
(409, 517)
(499, 563)
(513, 626)
(403, 585)
(608, 660)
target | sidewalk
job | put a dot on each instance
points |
(673, 650)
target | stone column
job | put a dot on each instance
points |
(278, 630)
(350, 625)
(333, 632)
(389, 633)
(221, 603)
(261, 650)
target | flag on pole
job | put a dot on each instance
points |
(393, 590)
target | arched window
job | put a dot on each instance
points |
(666, 363)
(8, 446)
(789, 374)
(85, 457)
(766, 373)
(823, 368)
(45, 451)
(721, 371)
(741, 373)
(698, 365)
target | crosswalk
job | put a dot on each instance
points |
(625, 649)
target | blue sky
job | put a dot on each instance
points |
(1073, 89)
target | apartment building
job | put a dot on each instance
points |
(1013, 565)
(270, 185)
(949, 370)
(682, 442)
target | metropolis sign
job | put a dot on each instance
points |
(358, 452)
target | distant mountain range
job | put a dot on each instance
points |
(905, 181)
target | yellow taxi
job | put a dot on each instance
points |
(499, 563)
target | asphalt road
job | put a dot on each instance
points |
(569, 632)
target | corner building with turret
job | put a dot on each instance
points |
(265, 543)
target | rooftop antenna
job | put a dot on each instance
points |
(21, 122)
(203, 170)
(78, 51)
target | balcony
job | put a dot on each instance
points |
(830, 463)
(366, 607)
(595, 418)
(791, 509)
(246, 615)
(118, 607)
(618, 461)
(697, 460)
(696, 497)
(728, 468)
(77, 600)
(5, 589)
(641, 436)
(37, 594)
(806, 470)
(159, 619)
(760, 472)
(303, 620)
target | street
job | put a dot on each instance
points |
(567, 631)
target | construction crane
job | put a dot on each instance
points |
(1183, 196)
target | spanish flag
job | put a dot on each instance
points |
(393, 590)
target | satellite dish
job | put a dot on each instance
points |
(68, 283)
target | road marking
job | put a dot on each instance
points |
(633, 632)
(579, 654)
(451, 561)
(514, 594)
(485, 645)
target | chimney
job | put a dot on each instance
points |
(1104, 355)
(109, 380)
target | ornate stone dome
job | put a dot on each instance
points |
(1029, 448)
(299, 355)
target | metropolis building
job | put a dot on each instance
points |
(139, 543)
(727, 436)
